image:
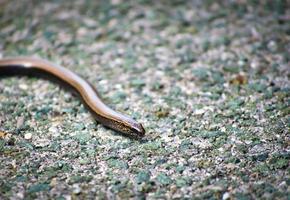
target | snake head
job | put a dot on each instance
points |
(130, 128)
(136, 131)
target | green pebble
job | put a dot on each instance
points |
(82, 137)
(200, 73)
(116, 163)
(143, 176)
(139, 83)
(231, 69)
(80, 179)
(211, 134)
(38, 188)
(163, 179)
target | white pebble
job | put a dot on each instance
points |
(28, 136)
(226, 196)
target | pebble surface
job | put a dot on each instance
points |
(209, 80)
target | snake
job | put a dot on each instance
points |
(37, 67)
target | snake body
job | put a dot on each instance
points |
(101, 112)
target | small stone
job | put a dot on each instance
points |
(42, 142)
(76, 189)
(2, 134)
(23, 86)
(255, 64)
(54, 131)
(84, 161)
(143, 176)
(199, 111)
(231, 69)
(53, 182)
(203, 110)
(272, 46)
(28, 136)
(163, 179)
(20, 195)
(20, 122)
(89, 22)
(82, 137)
(239, 80)
(226, 196)
(38, 188)
(115, 2)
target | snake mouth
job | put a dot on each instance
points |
(135, 131)
(139, 130)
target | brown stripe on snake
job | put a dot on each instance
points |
(101, 112)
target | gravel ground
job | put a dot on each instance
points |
(209, 80)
